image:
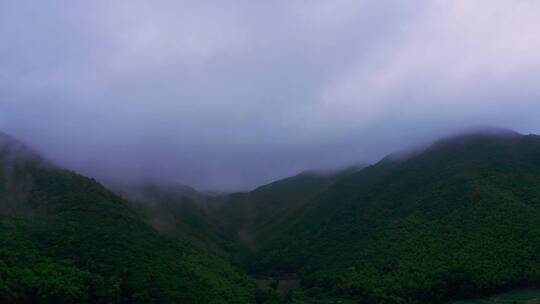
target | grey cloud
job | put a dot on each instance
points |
(231, 95)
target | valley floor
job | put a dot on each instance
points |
(517, 296)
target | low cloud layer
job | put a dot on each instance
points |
(229, 95)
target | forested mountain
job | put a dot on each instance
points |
(245, 214)
(180, 211)
(232, 224)
(64, 238)
(460, 219)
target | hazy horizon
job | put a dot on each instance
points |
(230, 96)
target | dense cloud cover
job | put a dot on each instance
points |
(231, 94)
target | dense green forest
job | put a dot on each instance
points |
(66, 239)
(459, 219)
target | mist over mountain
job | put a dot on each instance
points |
(270, 152)
(229, 97)
(452, 220)
(457, 220)
(65, 239)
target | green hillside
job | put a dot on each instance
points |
(243, 213)
(232, 225)
(518, 296)
(255, 216)
(66, 239)
(181, 211)
(457, 220)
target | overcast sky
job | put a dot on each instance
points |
(232, 94)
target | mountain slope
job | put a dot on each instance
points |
(254, 216)
(181, 211)
(461, 218)
(64, 238)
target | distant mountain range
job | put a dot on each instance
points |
(455, 220)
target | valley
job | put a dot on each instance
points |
(457, 220)
(518, 296)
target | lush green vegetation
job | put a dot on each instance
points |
(458, 220)
(182, 212)
(66, 239)
(518, 296)
(254, 217)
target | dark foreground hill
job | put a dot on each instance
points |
(66, 239)
(460, 219)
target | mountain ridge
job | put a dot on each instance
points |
(76, 241)
(368, 213)
(457, 219)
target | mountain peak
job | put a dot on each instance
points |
(6, 139)
(466, 136)
(12, 150)
(483, 132)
